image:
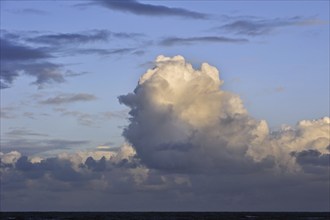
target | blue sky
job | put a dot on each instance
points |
(64, 63)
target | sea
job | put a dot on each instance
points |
(164, 215)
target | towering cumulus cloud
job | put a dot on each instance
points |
(182, 120)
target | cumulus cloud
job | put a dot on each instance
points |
(181, 119)
(10, 158)
(117, 180)
(308, 135)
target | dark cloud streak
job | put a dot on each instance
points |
(259, 26)
(170, 41)
(84, 37)
(71, 38)
(68, 98)
(138, 8)
(11, 51)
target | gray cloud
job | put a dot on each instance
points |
(71, 38)
(312, 157)
(118, 178)
(28, 11)
(19, 57)
(24, 132)
(7, 113)
(87, 119)
(170, 41)
(11, 51)
(29, 146)
(259, 26)
(90, 36)
(138, 8)
(32, 61)
(83, 118)
(44, 72)
(105, 52)
(68, 98)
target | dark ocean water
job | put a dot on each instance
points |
(164, 215)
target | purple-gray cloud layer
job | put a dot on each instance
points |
(20, 55)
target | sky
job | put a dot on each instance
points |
(164, 105)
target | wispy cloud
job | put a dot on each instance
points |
(83, 37)
(7, 113)
(19, 132)
(104, 52)
(253, 26)
(90, 119)
(65, 38)
(30, 146)
(170, 41)
(68, 98)
(138, 8)
(83, 118)
(28, 11)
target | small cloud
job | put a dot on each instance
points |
(29, 11)
(71, 38)
(68, 98)
(24, 132)
(30, 115)
(253, 26)
(83, 118)
(29, 145)
(170, 41)
(7, 113)
(279, 89)
(84, 37)
(103, 147)
(104, 52)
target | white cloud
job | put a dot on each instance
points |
(181, 119)
(10, 158)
